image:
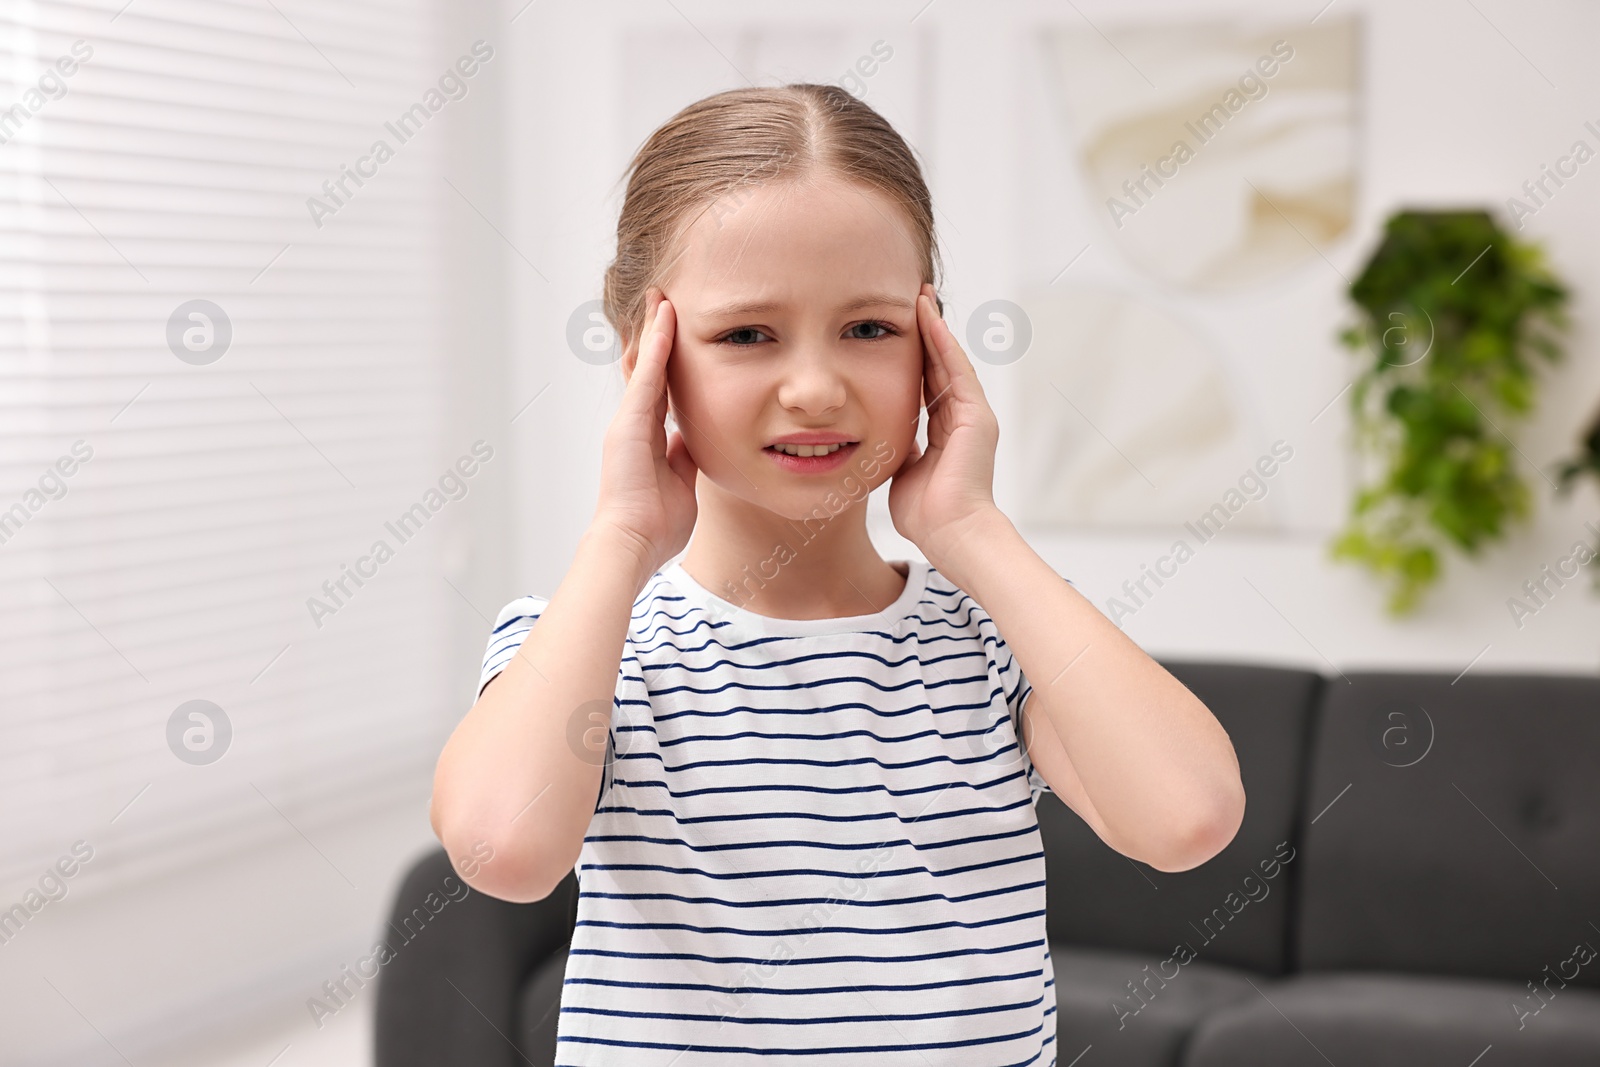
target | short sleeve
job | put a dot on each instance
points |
(1017, 689)
(512, 625)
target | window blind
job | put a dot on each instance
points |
(179, 480)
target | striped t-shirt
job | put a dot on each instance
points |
(812, 838)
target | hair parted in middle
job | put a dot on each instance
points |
(769, 135)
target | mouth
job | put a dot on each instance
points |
(821, 458)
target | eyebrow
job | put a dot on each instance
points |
(761, 307)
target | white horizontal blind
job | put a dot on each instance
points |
(176, 564)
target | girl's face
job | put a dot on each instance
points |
(796, 313)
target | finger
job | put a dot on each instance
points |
(666, 319)
(936, 373)
(955, 372)
(662, 333)
(648, 383)
(954, 356)
(665, 331)
(652, 307)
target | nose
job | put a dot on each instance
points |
(812, 381)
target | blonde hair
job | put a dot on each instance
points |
(746, 137)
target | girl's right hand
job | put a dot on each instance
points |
(647, 482)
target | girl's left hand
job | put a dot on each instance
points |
(938, 496)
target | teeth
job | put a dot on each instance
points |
(808, 450)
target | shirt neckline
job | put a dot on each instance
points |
(746, 621)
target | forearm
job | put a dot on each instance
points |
(522, 768)
(1157, 766)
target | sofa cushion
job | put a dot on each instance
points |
(1142, 1027)
(448, 994)
(538, 1006)
(1452, 828)
(1378, 1020)
(1227, 910)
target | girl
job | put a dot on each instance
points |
(787, 770)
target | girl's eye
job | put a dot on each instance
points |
(889, 331)
(746, 341)
(725, 339)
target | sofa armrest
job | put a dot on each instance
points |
(449, 988)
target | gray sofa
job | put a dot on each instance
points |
(1417, 881)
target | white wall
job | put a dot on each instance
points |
(234, 945)
(1453, 115)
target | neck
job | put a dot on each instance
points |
(821, 566)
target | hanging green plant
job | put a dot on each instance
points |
(1452, 311)
(1586, 462)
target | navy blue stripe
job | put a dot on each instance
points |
(818, 709)
(662, 613)
(864, 987)
(736, 846)
(821, 1020)
(835, 736)
(918, 636)
(518, 618)
(511, 643)
(649, 595)
(809, 990)
(643, 783)
(962, 603)
(832, 1051)
(962, 626)
(699, 624)
(798, 961)
(791, 872)
(1029, 1062)
(909, 683)
(795, 901)
(950, 924)
(875, 816)
(775, 761)
(811, 657)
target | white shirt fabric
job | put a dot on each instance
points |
(812, 838)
